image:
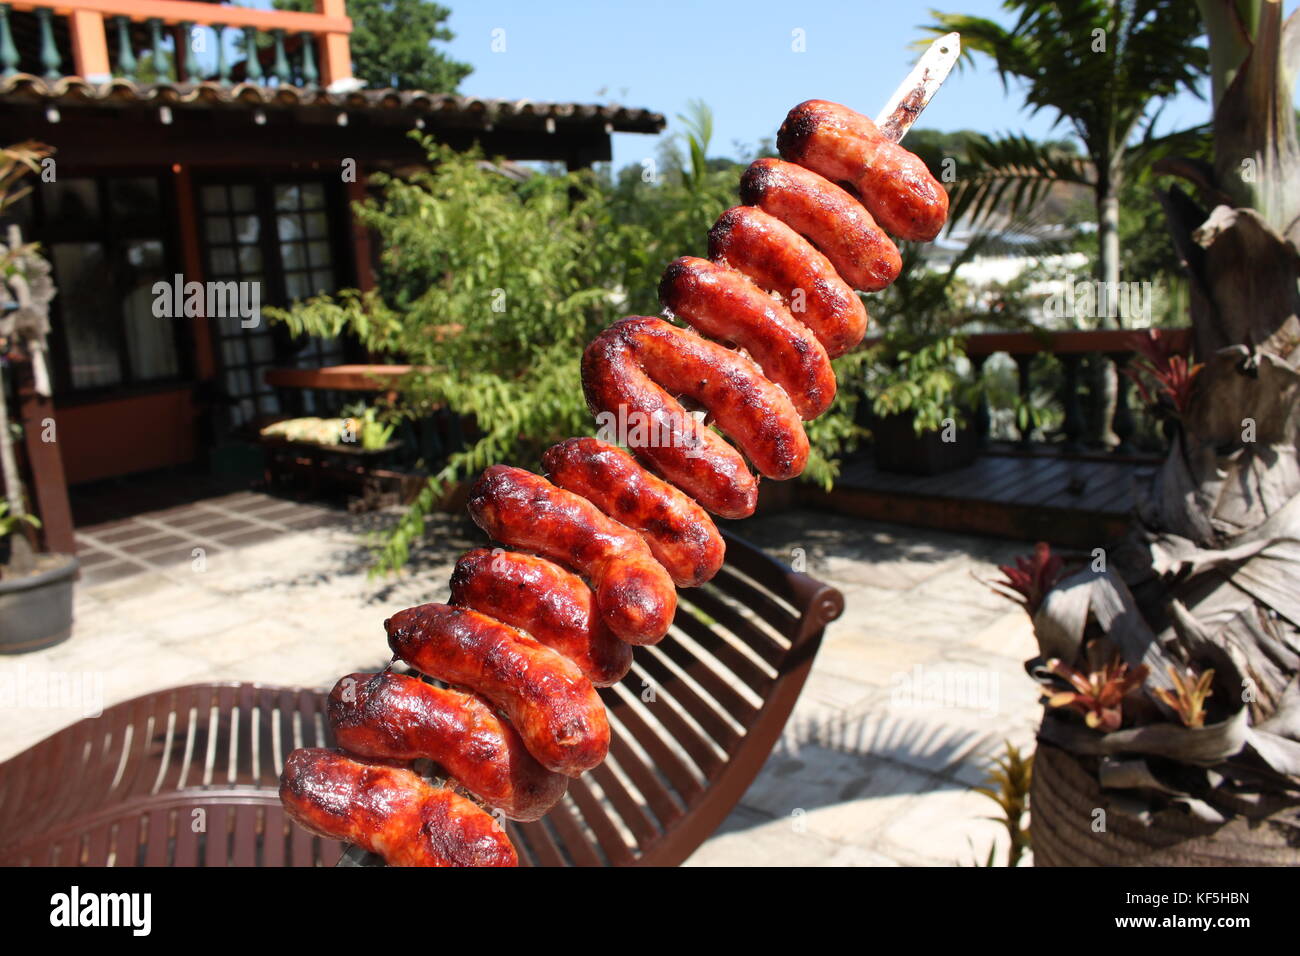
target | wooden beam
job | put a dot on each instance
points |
(335, 59)
(187, 225)
(1071, 342)
(342, 378)
(335, 51)
(45, 460)
(188, 11)
(89, 46)
(361, 250)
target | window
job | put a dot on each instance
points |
(108, 243)
(278, 235)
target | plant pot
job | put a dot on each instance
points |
(897, 447)
(36, 609)
(1064, 799)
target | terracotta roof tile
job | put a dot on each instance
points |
(459, 110)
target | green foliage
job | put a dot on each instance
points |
(392, 44)
(369, 424)
(663, 209)
(915, 367)
(9, 522)
(1097, 65)
(1007, 784)
(924, 382)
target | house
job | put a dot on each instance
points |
(192, 185)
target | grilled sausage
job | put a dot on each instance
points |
(390, 811)
(398, 717)
(531, 637)
(679, 532)
(546, 602)
(638, 364)
(846, 147)
(725, 305)
(634, 593)
(826, 216)
(780, 260)
(553, 707)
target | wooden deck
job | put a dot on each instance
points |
(1075, 502)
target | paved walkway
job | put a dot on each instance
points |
(914, 689)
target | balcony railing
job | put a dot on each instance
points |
(175, 41)
(1069, 349)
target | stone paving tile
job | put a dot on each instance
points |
(914, 690)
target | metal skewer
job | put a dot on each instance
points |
(915, 92)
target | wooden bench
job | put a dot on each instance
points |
(189, 776)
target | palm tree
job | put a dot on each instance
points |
(1105, 68)
(1200, 600)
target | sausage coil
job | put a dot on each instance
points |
(609, 533)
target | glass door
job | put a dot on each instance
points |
(280, 241)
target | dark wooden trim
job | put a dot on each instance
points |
(309, 137)
(45, 460)
(1071, 342)
(338, 378)
(191, 257)
(111, 235)
(1002, 519)
(362, 251)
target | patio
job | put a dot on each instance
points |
(913, 690)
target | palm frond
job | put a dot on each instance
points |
(1010, 175)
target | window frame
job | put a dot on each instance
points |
(112, 236)
(273, 270)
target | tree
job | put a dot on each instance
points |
(392, 44)
(1103, 67)
(1198, 712)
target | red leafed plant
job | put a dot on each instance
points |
(1172, 373)
(1099, 693)
(1031, 578)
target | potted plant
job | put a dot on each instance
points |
(917, 375)
(35, 589)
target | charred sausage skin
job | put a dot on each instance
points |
(780, 260)
(399, 717)
(546, 602)
(549, 702)
(846, 147)
(634, 594)
(828, 217)
(526, 631)
(679, 532)
(724, 304)
(637, 366)
(390, 811)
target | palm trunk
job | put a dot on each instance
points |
(1103, 384)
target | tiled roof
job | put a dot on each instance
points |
(447, 109)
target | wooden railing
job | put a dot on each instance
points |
(1070, 348)
(209, 42)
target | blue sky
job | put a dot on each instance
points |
(736, 56)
